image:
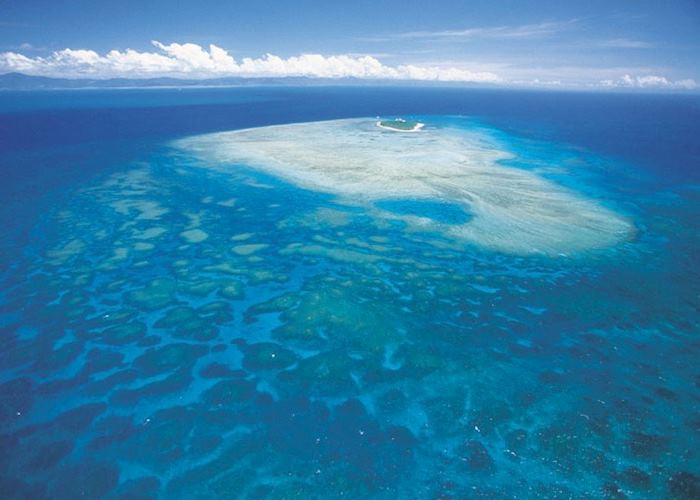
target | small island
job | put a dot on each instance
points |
(400, 125)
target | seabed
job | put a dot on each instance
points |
(331, 310)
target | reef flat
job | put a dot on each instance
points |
(512, 210)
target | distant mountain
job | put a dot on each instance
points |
(20, 81)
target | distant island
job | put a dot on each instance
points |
(400, 125)
(20, 81)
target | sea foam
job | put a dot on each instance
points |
(512, 210)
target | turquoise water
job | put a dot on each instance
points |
(446, 213)
(178, 326)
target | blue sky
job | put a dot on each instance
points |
(625, 43)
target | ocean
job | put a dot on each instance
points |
(257, 293)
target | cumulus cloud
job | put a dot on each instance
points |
(192, 60)
(649, 81)
(189, 60)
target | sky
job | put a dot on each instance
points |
(632, 44)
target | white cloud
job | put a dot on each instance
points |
(622, 43)
(538, 30)
(537, 83)
(191, 60)
(188, 60)
(649, 81)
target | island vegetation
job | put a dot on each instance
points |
(400, 125)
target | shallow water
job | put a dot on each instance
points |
(451, 161)
(181, 326)
(437, 211)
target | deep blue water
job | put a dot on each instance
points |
(160, 340)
